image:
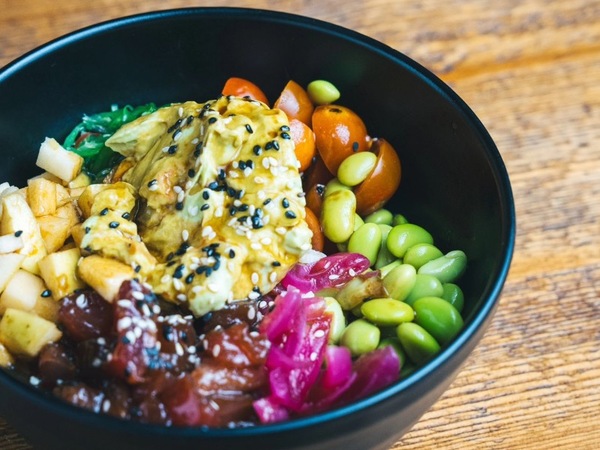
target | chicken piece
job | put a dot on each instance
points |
(221, 205)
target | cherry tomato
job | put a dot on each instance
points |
(318, 238)
(317, 173)
(339, 132)
(383, 180)
(240, 87)
(304, 141)
(295, 102)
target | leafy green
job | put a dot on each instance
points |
(88, 138)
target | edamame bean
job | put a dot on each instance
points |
(419, 254)
(322, 92)
(399, 282)
(446, 268)
(387, 312)
(381, 216)
(366, 240)
(419, 345)
(384, 257)
(438, 317)
(338, 319)
(337, 215)
(425, 286)
(385, 270)
(358, 222)
(399, 219)
(356, 168)
(454, 295)
(404, 236)
(335, 185)
(360, 337)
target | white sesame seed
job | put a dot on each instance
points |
(153, 187)
(235, 164)
(193, 210)
(180, 196)
(179, 349)
(261, 195)
(165, 278)
(233, 174)
(351, 272)
(319, 333)
(253, 295)
(273, 161)
(212, 235)
(213, 287)
(333, 276)
(185, 235)
(265, 163)
(247, 171)
(137, 331)
(81, 301)
(177, 189)
(281, 230)
(206, 231)
(138, 295)
(34, 381)
(177, 284)
(182, 297)
(196, 289)
(219, 212)
(254, 278)
(259, 180)
(216, 350)
(251, 313)
(130, 336)
(266, 241)
(180, 111)
(273, 277)
(195, 141)
(124, 323)
(255, 246)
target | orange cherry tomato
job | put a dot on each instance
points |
(318, 238)
(317, 173)
(304, 141)
(383, 180)
(240, 87)
(295, 102)
(314, 198)
(339, 132)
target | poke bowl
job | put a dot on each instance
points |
(232, 228)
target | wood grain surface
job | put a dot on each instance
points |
(530, 69)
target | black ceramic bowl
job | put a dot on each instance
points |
(454, 183)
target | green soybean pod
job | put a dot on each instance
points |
(419, 345)
(360, 337)
(399, 219)
(381, 216)
(425, 286)
(322, 92)
(387, 312)
(356, 168)
(404, 236)
(439, 318)
(366, 240)
(384, 257)
(420, 254)
(335, 185)
(337, 215)
(338, 319)
(454, 295)
(446, 268)
(399, 281)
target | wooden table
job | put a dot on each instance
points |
(530, 69)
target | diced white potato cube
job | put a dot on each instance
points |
(68, 211)
(41, 196)
(9, 264)
(80, 181)
(22, 291)
(24, 333)
(47, 176)
(57, 160)
(47, 308)
(17, 218)
(55, 231)
(10, 243)
(6, 359)
(104, 275)
(59, 271)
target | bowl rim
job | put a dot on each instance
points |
(478, 319)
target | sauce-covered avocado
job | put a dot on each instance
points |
(220, 203)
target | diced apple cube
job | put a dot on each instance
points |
(104, 275)
(57, 160)
(55, 231)
(17, 218)
(10, 243)
(24, 333)
(48, 176)
(41, 196)
(9, 265)
(22, 291)
(80, 181)
(47, 308)
(68, 211)
(59, 271)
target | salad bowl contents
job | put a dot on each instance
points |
(248, 266)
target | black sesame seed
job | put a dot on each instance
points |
(189, 120)
(104, 212)
(232, 253)
(213, 185)
(152, 182)
(86, 229)
(208, 272)
(178, 273)
(231, 192)
(212, 120)
(201, 269)
(355, 146)
(267, 201)
(242, 165)
(284, 128)
(126, 216)
(257, 150)
(285, 203)
(232, 211)
(182, 248)
(276, 264)
(167, 332)
(191, 173)
(320, 189)
(190, 278)
(170, 256)
(285, 135)
(198, 150)
(205, 195)
(176, 134)
(250, 164)
(269, 145)
(114, 224)
(138, 268)
(290, 214)
(249, 128)
(18, 233)
(179, 206)
(239, 194)
(217, 264)
(172, 149)
(243, 207)
(222, 175)
(204, 207)
(171, 263)
(258, 212)
(46, 293)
